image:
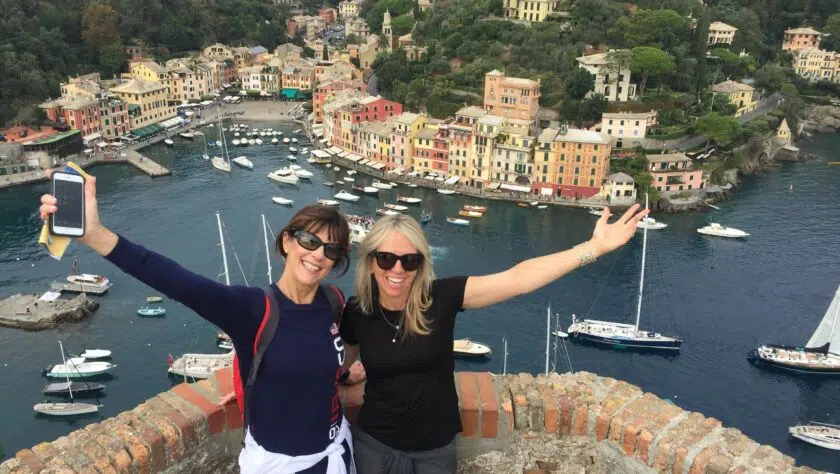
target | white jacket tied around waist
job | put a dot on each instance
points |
(254, 459)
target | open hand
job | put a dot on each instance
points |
(607, 237)
(49, 205)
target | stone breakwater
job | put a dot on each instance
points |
(517, 423)
(821, 119)
(29, 313)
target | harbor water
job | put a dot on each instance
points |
(721, 297)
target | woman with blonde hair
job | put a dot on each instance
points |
(402, 320)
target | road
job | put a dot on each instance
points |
(766, 106)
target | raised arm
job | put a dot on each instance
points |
(535, 273)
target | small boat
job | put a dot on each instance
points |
(187, 135)
(542, 206)
(412, 185)
(303, 174)
(718, 230)
(386, 212)
(275, 141)
(154, 299)
(345, 196)
(456, 221)
(336, 168)
(425, 217)
(220, 164)
(205, 156)
(282, 201)
(480, 209)
(351, 172)
(650, 223)
(328, 202)
(819, 434)
(168, 142)
(381, 185)
(447, 192)
(243, 162)
(466, 347)
(327, 183)
(522, 204)
(294, 140)
(90, 354)
(291, 157)
(283, 175)
(258, 141)
(293, 149)
(469, 213)
(368, 190)
(393, 184)
(223, 341)
(235, 142)
(64, 388)
(200, 366)
(409, 200)
(395, 207)
(65, 409)
(534, 203)
(286, 140)
(339, 182)
(596, 211)
(75, 370)
(89, 283)
(218, 143)
(559, 333)
(152, 311)
(252, 142)
(349, 178)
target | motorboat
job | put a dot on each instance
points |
(168, 142)
(349, 178)
(293, 149)
(275, 141)
(329, 202)
(283, 175)
(294, 140)
(291, 157)
(650, 223)
(351, 172)
(395, 207)
(447, 192)
(823, 435)
(258, 141)
(534, 203)
(75, 370)
(480, 209)
(368, 190)
(386, 212)
(718, 230)
(393, 184)
(154, 299)
(381, 185)
(345, 196)
(282, 201)
(152, 311)
(466, 347)
(542, 206)
(523, 205)
(90, 354)
(220, 164)
(596, 211)
(339, 182)
(336, 168)
(187, 135)
(456, 221)
(469, 213)
(235, 142)
(243, 162)
(252, 142)
(77, 388)
(286, 140)
(409, 200)
(200, 366)
(86, 282)
(412, 185)
(223, 341)
(327, 183)
(302, 173)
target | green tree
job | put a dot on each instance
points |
(592, 108)
(832, 30)
(649, 61)
(663, 28)
(401, 25)
(578, 83)
(112, 59)
(721, 129)
(101, 26)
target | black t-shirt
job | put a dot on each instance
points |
(410, 399)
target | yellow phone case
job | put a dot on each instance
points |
(56, 245)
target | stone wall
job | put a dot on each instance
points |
(518, 423)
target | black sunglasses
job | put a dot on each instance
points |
(387, 260)
(311, 242)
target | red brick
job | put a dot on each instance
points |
(30, 460)
(152, 440)
(631, 432)
(602, 426)
(189, 437)
(489, 406)
(565, 415)
(469, 403)
(212, 412)
(580, 422)
(233, 417)
(552, 410)
(172, 437)
(643, 446)
(224, 380)
(507, 406)
(701, 461)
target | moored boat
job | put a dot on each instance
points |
(77, 388)
(152, 311)
(345, 196)
(282, 201)
(469, 213)
(90, 354)
(447, 192)
(168, 142)
(718, 230)
(75, 370)
(481, 209)
(386, 212)
(823, 435)
(395, 207)
(243, 162)
(650, 223)
(187, 135)
(283, 175)
(456, 221)
(329, 202)
(409, 200)
(466, 347)
(200, 366)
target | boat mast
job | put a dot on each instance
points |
(547, 336)
(504, 362)
(267, 252)
(642, 276)
(833, 326)
(224, 142)
(224, 252)
(66, 373)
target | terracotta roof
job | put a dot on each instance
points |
(803, 31)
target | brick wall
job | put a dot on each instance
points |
(515, 423)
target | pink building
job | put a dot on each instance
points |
(673, 172)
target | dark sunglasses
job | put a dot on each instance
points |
(387, 260)
(311, 242)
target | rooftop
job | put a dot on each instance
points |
(155, 67)
(427, 133)
(802, 31)
(728, 87)
(598, 59)
(668, 158)
(406, 118)
(621, 178)
(73, 102)
(720, 26)
(472, 111)
(137, 86)
(627, 115)
(574, 135)
(493, 120)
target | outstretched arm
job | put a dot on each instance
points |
(535, 273)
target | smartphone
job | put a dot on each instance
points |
(69, 191)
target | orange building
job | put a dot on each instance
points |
(801, 38)
(325, 90)
(80, 112)
(570, 162)
(511, 97)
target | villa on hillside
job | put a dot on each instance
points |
(674, 172)
(616, 87)
(619, 187)
(721, 33)
(739, 94)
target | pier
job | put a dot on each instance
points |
(37, 312)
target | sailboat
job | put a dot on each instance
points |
(202, 366)
(206, 156)
(621, 335)
(65, 408)
(219, 162)
(821, 354)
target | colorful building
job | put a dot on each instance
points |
(611, 80)
(511, 97)
(217, 52)
(79, 112)
(512, 159)
(326, 89)
(817, 64)
(147, 102)
(739, 94)
(801, 38)
(619, 187)
(570, 162)
(431, 152)
(721, 33)
(349, 9)
(674, 172)
(404, 127)
(627, 129)
(530, 10)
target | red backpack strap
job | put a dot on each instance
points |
(265, 333)
(336, 299)
(238, 386)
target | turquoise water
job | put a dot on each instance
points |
(721, 297)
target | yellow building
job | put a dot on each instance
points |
(487, 128)
(817, 64)
(149, 71)
(147, 102)
(404, 128)
(530, 10)
(217, 52)
(801, 38)
(619, 188)
(741, 95)
(349, 9)
(512, 162)
(783, 133)
(721, 33)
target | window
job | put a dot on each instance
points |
(575, 182)
(577, 170)
(592, 182)
(594, 159)
(561, 170)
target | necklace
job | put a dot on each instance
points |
(396, 328)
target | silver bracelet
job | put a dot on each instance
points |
(587, 256)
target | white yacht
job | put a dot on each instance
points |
(282, 201)
(74, 369)
(649, 223)
(819, 434)
(200, 366)
(302, 173)
(381, 185)
(89, 283)
(446, 191)
(345, 196)
(718, 230)
(243, 162)
(283, 175)
(466, 347)
(329, 202)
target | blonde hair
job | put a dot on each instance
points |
(412, 321)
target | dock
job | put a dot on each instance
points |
(61, 286)
(125, 156)
(38, 312)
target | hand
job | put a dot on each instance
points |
(225, 399)
(608, 237)
(49, 205)
(357, 373)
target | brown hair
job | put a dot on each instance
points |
(313, 218)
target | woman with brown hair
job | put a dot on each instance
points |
(296, 422)
(402, 320)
